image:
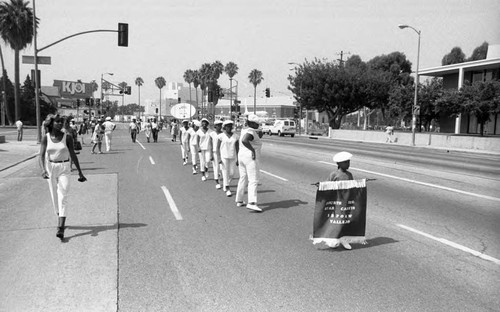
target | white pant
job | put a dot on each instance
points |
(184, 151)
(216, 165)
(228, 170)
(204, 159)
(249, 175)
(59, 174)
(107, 138)
(194, 154)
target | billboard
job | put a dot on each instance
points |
(73, 89)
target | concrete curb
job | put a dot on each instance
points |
(19, 162)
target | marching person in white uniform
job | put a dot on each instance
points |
(250, 146)
(184, 138)
(228, 153)
(205, 145)
(109, 127)
(193, 144)
(216, 155)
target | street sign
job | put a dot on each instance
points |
(42, 60)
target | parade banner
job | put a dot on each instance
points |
(340, 212)
(183, 111)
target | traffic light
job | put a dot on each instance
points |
(210, 96)
(87, 101)
(122, 35)
(178, 100)
(78, 103)
(128, 90)
(97, 102)
(268, 92)
(92, 102)
(157, 110)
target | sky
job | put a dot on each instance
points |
(167, 37)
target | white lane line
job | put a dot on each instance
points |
(171, 203)
(273, 175)
(452, 244)
(422, 183)
(140, 144)
(138, 163)
(151, 160)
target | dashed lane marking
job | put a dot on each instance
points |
(151, 160)
(140, 144)
(273, 175)
(171, 203)
(422, 183)
(452, 244)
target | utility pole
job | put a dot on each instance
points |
(341, 60)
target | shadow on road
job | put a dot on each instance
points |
(95, 230)
(372, 242)
(284, 204)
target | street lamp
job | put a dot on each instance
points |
(102, 93)
(415, 106)
(300, 106)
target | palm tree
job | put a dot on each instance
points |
(16, 29)
(205, 78)
(139, 82)
(196, 84)
(231, 70)
(255, 78)
(4, 88)
(160, 83)
(189, 78)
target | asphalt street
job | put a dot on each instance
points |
(145, 234)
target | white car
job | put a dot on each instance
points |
(283, 127)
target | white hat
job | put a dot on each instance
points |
(342, 156)
(253, 118)
(227, 122)
(204, 119)
(185, 121)
(108, 118)
(218, 122)
(196, 123)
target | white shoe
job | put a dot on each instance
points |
(240, 204)
(228, 193)
(203, 178)
(194, 171)
(218, 186)
(346, 245)
(253, 207)
(184, 163)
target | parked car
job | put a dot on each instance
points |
(266, 127)
(283, 127)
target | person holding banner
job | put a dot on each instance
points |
(343, 160)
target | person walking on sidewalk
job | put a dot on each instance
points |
(249, 158)
(205, 145)
(19, 126)
(155, 129)
(109, 127)
(228, 151)
(147, 129)
(56, 150)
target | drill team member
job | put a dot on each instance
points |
(205, 145)
(216, 155)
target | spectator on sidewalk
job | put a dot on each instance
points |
(56, 150)
(97, 136)
(155, 128)
(19, 125)
(133, 128)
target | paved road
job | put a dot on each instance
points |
(425, 208)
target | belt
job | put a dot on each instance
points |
(59, 161)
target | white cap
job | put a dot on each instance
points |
(253, 118)
(108, 118)
(218, 122)
(196, 123)
(185, 121)
(342, 156)
(204, 119)
(227, 122)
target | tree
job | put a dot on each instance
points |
(479, 53)
(231, 70)
(196, 83)
(454, 57)
(429, 92)
(16, 29)
(328, 87)
(160, 83)
(255, 78)
(28, 100)
(139, 82)
(482, 99)
(123, 85)
(8, 87)
(189, 78)
(3, 100)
